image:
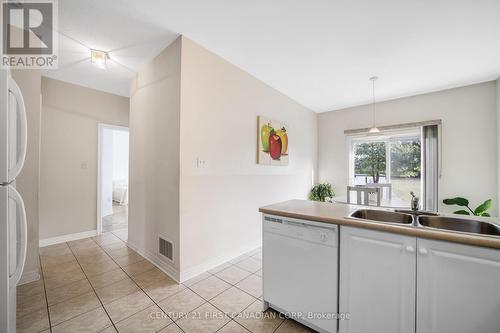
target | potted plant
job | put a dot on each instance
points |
(481, 210)
(321, 192)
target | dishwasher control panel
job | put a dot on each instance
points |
(316, 232)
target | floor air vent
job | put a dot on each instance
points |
(166, 248)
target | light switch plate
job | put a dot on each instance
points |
(200, 163)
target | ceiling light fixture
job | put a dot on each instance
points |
(99, 58)
(374, 129)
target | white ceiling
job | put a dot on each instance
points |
(320, 53)
(129, 37)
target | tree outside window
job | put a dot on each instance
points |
(390, 159)
(405, 158)
(370, 159)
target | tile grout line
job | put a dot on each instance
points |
(93, 289)
(86, 279)
(231, 285)
(65, 285)
(255, 273)
(255, 299)
(243, 327)
(210, 303)
(45, 292)
(207, 301)
(188, 287)
(235, 285)
(282, 322)
(130, 277)
(210, 274)
(140, 288)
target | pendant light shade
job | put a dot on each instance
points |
(374, 128)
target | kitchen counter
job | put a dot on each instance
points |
(336, 213)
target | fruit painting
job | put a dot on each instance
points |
(273, 142)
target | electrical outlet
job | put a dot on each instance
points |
(84, 165)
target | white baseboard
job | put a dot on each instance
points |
(152, 258)
(208, 265)
(194, 271)
(66, 238)
(28, 277)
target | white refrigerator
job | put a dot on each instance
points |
(13, 233)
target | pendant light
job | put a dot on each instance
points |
(374, 129)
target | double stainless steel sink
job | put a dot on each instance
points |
(433, 221)
(382, 216)
(459, 224)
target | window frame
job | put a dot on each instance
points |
(383, 136)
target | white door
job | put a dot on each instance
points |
(458, 288)
(377, 281)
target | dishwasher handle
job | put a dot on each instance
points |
(295, 224)
(307, 225)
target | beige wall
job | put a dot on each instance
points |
(154, 156)
(469, 146)
(28, 181)
(219, 203)
(68, 189)
(189, 103)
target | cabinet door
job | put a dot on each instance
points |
(458, 288)
(377, 281)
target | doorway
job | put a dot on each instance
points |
(113, 179)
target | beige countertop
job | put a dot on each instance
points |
(336, 213)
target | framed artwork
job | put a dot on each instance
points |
(273, 142)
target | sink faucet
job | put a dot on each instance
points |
(415, 208)
(414, 201)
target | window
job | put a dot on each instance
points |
(391, 161)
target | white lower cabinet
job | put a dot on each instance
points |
(377, 281)
(442, 287)
(458, 288)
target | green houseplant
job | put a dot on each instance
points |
(321, 192)
(481, 210)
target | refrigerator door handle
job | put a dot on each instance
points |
(16, 91)
(16, 276)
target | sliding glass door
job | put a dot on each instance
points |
(391, 161)
(406, 166)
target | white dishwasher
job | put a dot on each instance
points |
(300, 270)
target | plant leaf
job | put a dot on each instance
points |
(485, 214)
(482, 208)
(462, 212)
(456, 201)
(321, 192)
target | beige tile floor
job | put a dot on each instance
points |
(116, 221)
(100, 285)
